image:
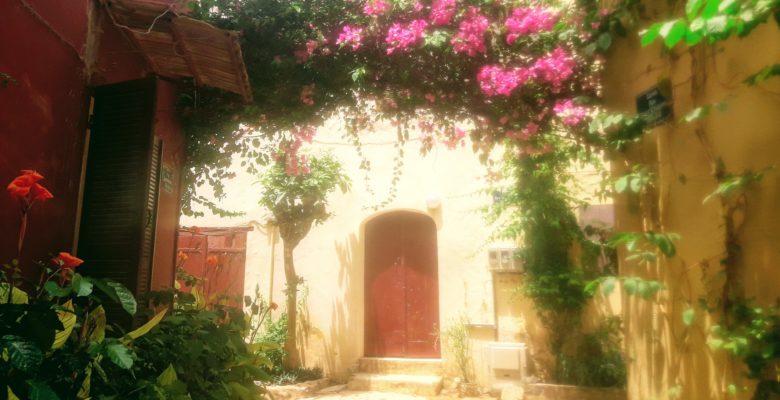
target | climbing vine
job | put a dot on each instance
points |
(748, 331)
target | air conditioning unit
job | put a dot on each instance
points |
(506, 361)
(502, 259)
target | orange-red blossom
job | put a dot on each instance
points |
(27, 188)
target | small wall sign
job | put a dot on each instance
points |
(167, 178)
(654, 105)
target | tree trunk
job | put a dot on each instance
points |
(292, 360)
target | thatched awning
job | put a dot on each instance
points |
(177, 46)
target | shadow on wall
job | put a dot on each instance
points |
(346, 335)
(517, 321)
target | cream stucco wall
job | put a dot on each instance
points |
(330, 258)
(664, 353)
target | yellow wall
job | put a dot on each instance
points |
(664, 353)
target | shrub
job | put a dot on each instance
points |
(596, 359)
(206, 356)
(276, 332)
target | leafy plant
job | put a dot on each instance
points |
(297, 199)
(57, 323)
(596, 359)
(193, 353)
(713, 20)
(752, 335)
(276, 334)
(456, 336)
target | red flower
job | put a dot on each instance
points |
(181, 256)
(273, 306)
(26, 187)
(67, 261)
(212, 261)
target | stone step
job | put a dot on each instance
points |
(400, 366)
(420, 385)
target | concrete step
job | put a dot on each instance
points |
(420, 385)
(400, 366)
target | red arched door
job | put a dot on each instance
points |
(401, 286)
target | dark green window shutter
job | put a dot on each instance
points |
(116, 235)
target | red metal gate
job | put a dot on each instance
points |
(217, 255)
(401, 286)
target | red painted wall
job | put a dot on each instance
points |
(168, 128)
(42, 119)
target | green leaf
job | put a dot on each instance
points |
(120, 355)
(96, 325)
(68, 319)
(696, 113)
(711, 9)
(643, 289)
(621, 184)
(81, 286)
(41, 391)
(636, 185)
(23, 354)
(732, 388)
(717, 25)
(650, 34)
(630, 285)
(688, 316)
(55, 290)
(764, 74)
(125, 296)
(145, 328)
(715, 343)
(604, 41)
(673, 32)
(692, 7)
(85, 384)
(168, 376)
(18, 296)
(608, 285)
(590, 288)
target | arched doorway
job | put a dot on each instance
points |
(401, 286)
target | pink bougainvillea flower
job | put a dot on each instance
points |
(529, 20)
(376, 7)
(430, 97)
(453, 137)
(307, 93)
(470, 38)
(401, 37)
(555, 68)
(351, 36)
(496, 80)
(442, 11)
(570, 113)
(524, 134)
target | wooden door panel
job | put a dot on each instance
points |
(402, 311)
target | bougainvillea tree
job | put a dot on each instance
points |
(523, 75)
(295, 190)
